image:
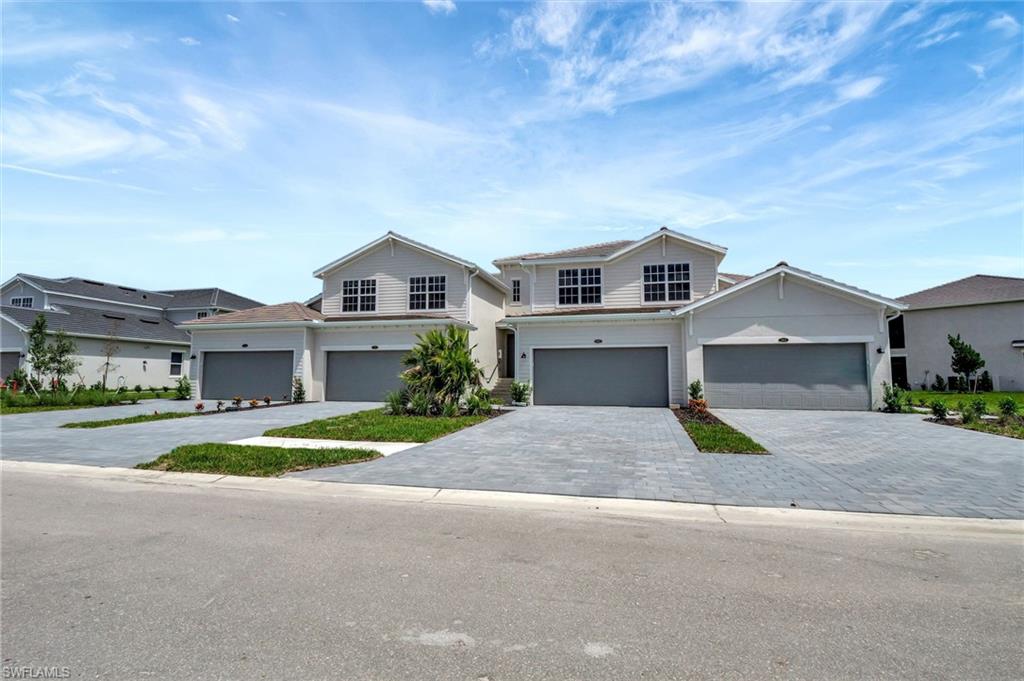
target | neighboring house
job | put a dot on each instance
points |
(374, 302)
(621, 323)
(151, 350)
(986, 311)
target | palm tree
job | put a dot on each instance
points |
(441, 365)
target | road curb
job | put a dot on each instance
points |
(632, 508)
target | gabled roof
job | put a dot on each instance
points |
(209, 297)
(90, 322)
(101, 290)
(282, 312)
(610, 250)
(975, 290)
(395, 236)
(787, 270)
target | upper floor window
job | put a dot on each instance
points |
(580, 286)
(517, 291)
(666, 283)
(177, 359)
(428, 293)
(897, 335)
(359, 295)
(23, 301)
(202, 314)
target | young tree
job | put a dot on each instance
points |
(38, 352)
(966, 361)
(62, 360)
(110, 348)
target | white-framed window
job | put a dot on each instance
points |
(22, 301)
(517, 290)
(177, 360)
(667, 283)
(359, 295)
(579, 286)
(428, 292)
(202, 314)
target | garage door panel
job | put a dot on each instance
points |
(250, 375)
(632, 377)
(832, 377)
(363, 376)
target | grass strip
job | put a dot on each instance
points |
(139, 418)
(375, 425)
(264, 462)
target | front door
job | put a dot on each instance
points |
(510, 355)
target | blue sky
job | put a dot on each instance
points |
(244, 145)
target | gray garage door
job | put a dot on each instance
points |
(786, 377)
(249, 375)
(9, 363)
(363, 376)
(627, 377)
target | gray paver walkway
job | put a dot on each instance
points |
(831, 460)
(38, 437)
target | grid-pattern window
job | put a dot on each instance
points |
(579, 286)
(177, 358)
(669, 282)
(428, 293)
(24, 301)
(359, 295)
(517, 291)
(202, 314)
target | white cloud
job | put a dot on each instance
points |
(440, 6)
(227, 127)
(550, 23)
(232, 18)
(860, 89)
(1005, 23)
(31, 48)
(978, 69)
(75, 178)
(937, 39)
(189, 40)
(911, 16)
(47, 136)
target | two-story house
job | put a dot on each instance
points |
(139, 326)
(374, 302)
(628, 323)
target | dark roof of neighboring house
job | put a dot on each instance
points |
(282, 312)
(92, 288)
(210, 297)
(564, 312)
(93, 322)
(975, 290)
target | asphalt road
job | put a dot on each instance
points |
(117, 579)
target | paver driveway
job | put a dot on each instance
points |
(831, 460)
(38, 437)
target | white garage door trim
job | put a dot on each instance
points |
(590, 346)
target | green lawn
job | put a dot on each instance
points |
(377, 426)
(140, 418)
(1011, 429)
(950, 399)
(721, 438)
(264, 462)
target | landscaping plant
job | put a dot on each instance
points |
(939, 385)
(967, 413)
(298, 390)
(520, 392)
(237, 400)
(183, 390)
(441, 366)
(253, 404)
(266, 400)
(939, 410)
(1008, 407)
(965, 362)
(478, 402)
(985, 382)
(396, 401)
(696, 390)
(200, 406)
(894, 398)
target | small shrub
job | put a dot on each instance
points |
(985, 382)
(137, 388)
(220, 405)
(237, 400)
(183, 389)
(939, 385)
(200, 406)
(298, 390)
(696, 390)
(1008, 407)
(254, 403)
(894, 398)
(395, 402)
(450, 410)
(967, 413)
(478, 402)
(266, 400)
(420, 404)
(520, 392)
(979, 406)
(698, 406)
(939, 410)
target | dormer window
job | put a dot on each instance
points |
(202, 314)
(359, 295)
(579, 286)
(428, 293)
(22, 301)
(667, 283)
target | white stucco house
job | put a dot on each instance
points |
(151, 350)
(627, 323)
(986, 311)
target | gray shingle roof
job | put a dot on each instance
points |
(974, 290)
(600, 250)
(92, 322)
(210, 297)
(92, 288)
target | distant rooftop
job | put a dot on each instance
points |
(975, 290)
(210, 297)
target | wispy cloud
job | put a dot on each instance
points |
(225, 127)
(55, 137)
(440, 6)
(1005, 24)
(76, 178)
(860, 89)
(189, 41)
(39, 47)
(232, 18)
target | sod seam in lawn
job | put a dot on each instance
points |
(225, 459)
(375, 425)
(138, 418)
